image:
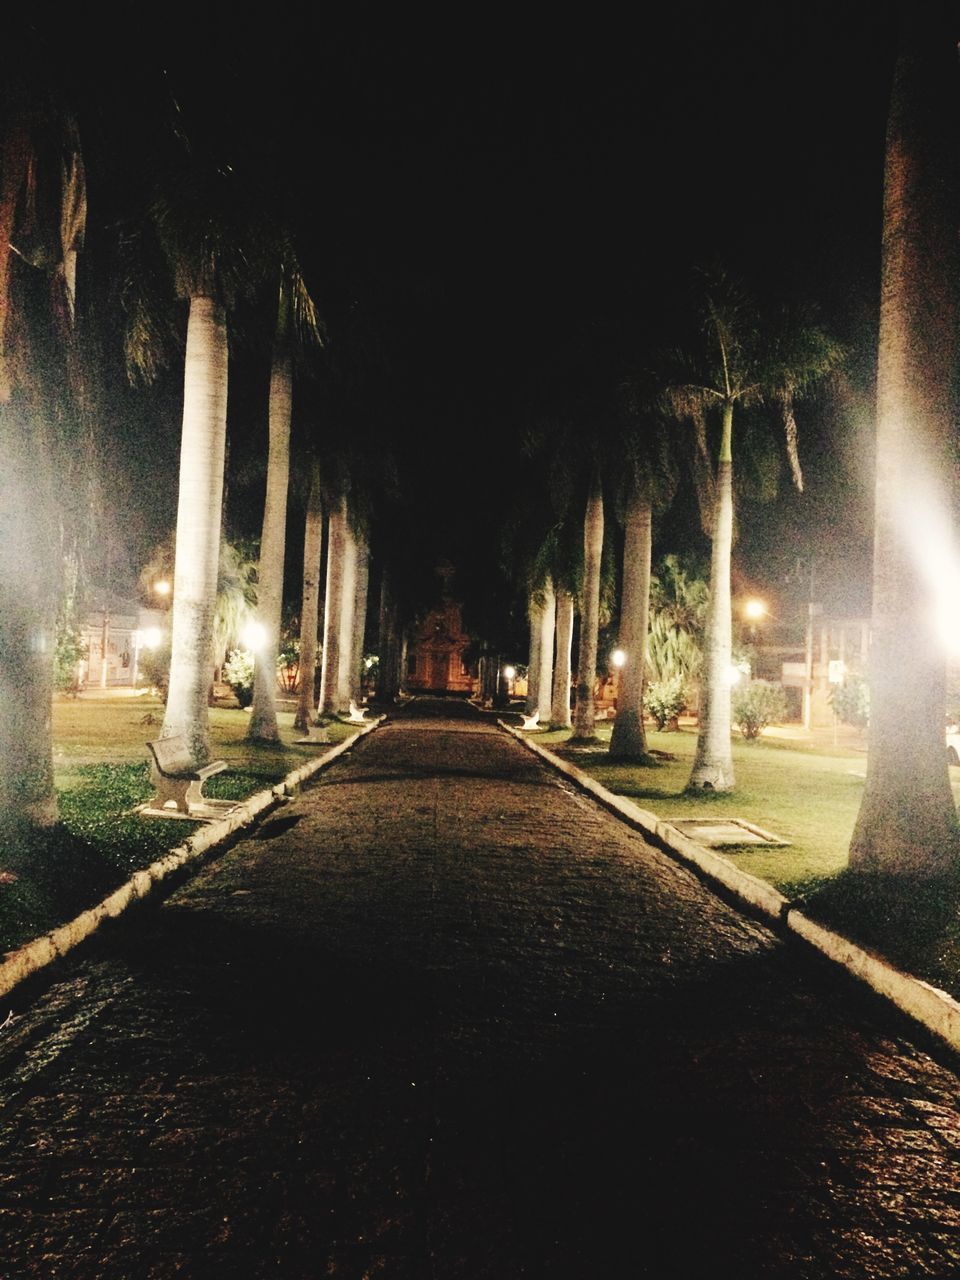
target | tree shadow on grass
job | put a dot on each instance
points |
(913, 923)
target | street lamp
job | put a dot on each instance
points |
(618, 658)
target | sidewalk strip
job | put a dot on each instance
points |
(933, 1009)
(35, 955)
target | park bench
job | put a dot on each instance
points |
(179, 783)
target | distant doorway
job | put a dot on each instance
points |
(439, 670)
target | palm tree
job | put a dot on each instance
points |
(213, 242)
(310, 599)
(333, 600)
(739, 366)
(648, 481)
(907, 824)
(584, 712)
(39, 149)
(628, 741)
(297, 322)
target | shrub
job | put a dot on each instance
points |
(153, 666)
(757, 704)
(68, 654)
(665, 699)
(851, 701)
(238, 673)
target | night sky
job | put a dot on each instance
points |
(482, 183)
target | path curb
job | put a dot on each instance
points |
(933, 1009)
(35, 955)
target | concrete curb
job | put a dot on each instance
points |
(931, 1008)
(35, 955)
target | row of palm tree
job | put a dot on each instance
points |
(220, 246)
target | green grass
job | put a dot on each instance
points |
(809, 795)
(101, 774)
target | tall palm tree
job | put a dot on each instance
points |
(332, 610)
(584, 711)
(907, 824)
(628, 741)
(647, 481)
(740, 365)
(548, 627)
(42, 216)
(310, 598)
(297, 323)
(213, 241)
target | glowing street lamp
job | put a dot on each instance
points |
(754, 610)
(618, 658)
(254, 636)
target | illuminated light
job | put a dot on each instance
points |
(254, 636)
(162, 588)
(737, 673)
(509, 672)
(754, 610)
(150, 637)
(618, 657)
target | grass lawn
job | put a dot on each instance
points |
(101, 774)
(808, 794)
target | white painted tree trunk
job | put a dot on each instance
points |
(359, 619)
(534, 622)
(263, 709)
(348, 608)
(310, 599)
(29, 553)
(200, 499)
(907, 824)
(629, 738)
(330, 667)
(713, 759)
(548, 623)
(560, 701)
(584, 717)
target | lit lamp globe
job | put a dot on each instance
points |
(618, 658)
(754, 610)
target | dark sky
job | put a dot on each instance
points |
(484, 181)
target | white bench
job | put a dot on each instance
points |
(179, 783)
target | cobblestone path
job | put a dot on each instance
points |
(443, 1017)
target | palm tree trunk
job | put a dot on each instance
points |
(330, 668)
(359, 619)
(535, 621)
(30, 550)
(713, 760)
(348, 604)
(310, 603)
(907, 824)
(263, 710)
(560, 702)
(584, 718)
(548, 623)
(198, 526)
(388, 674)
(629, 738)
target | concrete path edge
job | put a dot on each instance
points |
(933, 1009)
(33, 956)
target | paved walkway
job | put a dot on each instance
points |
(443, 1017)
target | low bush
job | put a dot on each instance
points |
(757, 704)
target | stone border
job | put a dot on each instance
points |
(26, 960)
(935, 1010)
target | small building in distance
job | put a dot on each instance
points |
(437, 646)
